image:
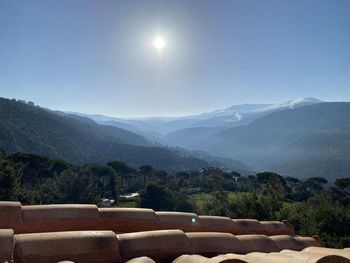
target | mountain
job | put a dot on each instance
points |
(308, 141)
(78, 140)
(190, 138)
(210, 123)
(161, 129)
(137, 126)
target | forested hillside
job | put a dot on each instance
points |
(308, 141)
(79, 140)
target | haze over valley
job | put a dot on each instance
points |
(295, 138)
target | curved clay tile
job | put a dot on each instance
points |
(210, 244)
(272, 228)
(215, 224)
(191, 259)
(187, 222)
(50, 218)
(327, 251)
(228, 258)
(257, 243)
(317, 258)
(76, 246)
(287, 242)
(296, 257)
(308, 241)
(10, 214)
(6, 245)
(141, 260)
(160, 245)
(126, 220)
(247, 226)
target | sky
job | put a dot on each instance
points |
(98, 56)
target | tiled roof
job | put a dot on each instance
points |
(160, 245)
(50, 218)
(84, 233)
(323, 256)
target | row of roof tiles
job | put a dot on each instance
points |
(51, 218)
(308, 255)
(160, 245)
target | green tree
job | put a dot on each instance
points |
(9, 180)
(107, 179)
(71, 186)
(157, 198)
(315, 184)
(161, 176)
(147, 172)
(343, 183)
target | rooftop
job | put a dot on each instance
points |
(86, 233)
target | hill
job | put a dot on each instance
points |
(184, 131)
(308, 141)
(80, 140)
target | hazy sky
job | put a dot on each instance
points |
(98, 57)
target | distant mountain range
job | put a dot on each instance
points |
(77, 139)
(304, 137)
(308, 141)
(238, 115)
(176, 131)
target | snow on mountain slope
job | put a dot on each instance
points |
(156, 127)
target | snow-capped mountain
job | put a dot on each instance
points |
(155, 128)
(291, 104)
(244, 112)
(238, 110)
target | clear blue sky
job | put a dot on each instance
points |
(97, 56)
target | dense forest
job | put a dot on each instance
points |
(313, 205)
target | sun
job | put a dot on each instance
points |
(159, 43)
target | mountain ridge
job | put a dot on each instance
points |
(155, 128)
(287, 141)
(81, 140)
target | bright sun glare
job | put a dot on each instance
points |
(159, 43)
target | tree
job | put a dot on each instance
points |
(157, 198)
(270, 177)
(215, 176)
(315, 184)
(9, 180)
(71, 186)
(107, 179)
(160, 176)
(120, 167)
(343, 183)
(292, 181)
(147, 171)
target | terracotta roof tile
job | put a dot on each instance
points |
(125, 220)
(10, 214)
(211, 244)
(79, 246)
(208, 239)
(6, 244)
(258, 257)
(178, 220)
(160, 245)
(141, 260)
